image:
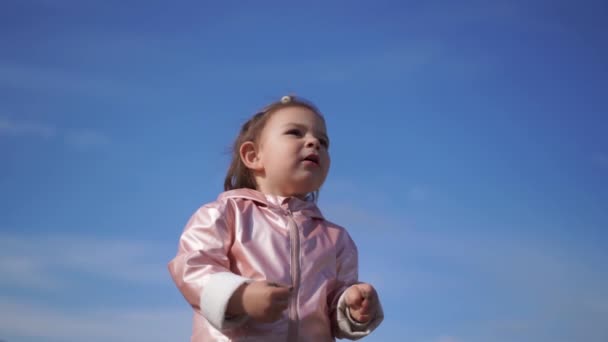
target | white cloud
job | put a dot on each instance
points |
(390, 63)
(529, 290)
(25, 272)
(418, 193)
(515, 286)
(59, 81)
(78, 138)
(448, 339)
(27, 319)
(42, 263)
(56, 265)
(9, 127)
(85, 139)
(601, 160)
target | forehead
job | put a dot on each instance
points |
(296, 115)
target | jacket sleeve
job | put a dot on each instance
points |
(201, 268)
(343, 326)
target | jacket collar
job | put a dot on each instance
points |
(294, 204)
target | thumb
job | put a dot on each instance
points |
(275, 284)
(353, 297)
(280, 292)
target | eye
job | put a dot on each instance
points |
(324, 142)
(294, 131)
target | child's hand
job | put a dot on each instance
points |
(362, 302)
(261, 300)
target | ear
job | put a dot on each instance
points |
(249, 156)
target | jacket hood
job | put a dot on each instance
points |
(292, 204)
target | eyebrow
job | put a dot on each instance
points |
(297, 125)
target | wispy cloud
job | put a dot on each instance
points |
(47, 80)
(536, 289)
(601, 160)
(9, 127)
(419, 193)
(448, 339)
(515, 287)
(33, 263)
(58, 266)
(25, 271)
(86, 139)
(390, 63)
(22, 318)
(80, 138)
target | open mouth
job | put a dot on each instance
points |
(312, 158)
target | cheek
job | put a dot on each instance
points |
(327, 162)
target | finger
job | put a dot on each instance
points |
(365, 289)
(273, 313)
(358, 316)
(278, 302)
(278, 286)
(368, 311)
(275, 284)
(280, 294)
(363, 318)
(369, 308)
(364, 305)
(356, 301)
(270, 318)
(280, 297)
(362, 315)
(353, 296)
(276, 312)
(277, 316)
(282, 306)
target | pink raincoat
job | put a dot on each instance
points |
(246, 236)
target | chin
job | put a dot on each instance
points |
(305, 186)
(303, 189)
(307, 190)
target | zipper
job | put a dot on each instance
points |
(294, 239)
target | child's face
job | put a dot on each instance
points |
(293, 152)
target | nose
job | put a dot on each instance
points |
(313, 142)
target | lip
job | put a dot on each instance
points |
(312, 158)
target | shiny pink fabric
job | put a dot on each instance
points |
(247, 233)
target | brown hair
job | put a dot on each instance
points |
(238, 175)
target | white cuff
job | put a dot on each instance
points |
(349, 328)
(214, 299)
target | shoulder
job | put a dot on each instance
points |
(232, 201)
(239, 196)
(219, 209)
(340, 235)
(218, 205)
(334, 226)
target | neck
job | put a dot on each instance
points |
(266, 188)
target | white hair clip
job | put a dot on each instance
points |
(286, 99)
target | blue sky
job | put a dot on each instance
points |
(469, 157)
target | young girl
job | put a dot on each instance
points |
(262, 263)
